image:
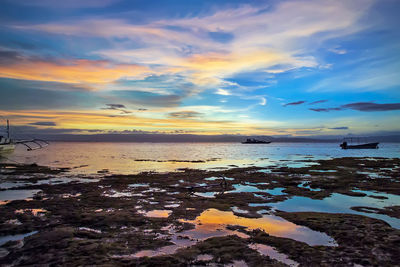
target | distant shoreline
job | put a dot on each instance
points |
(187, 138)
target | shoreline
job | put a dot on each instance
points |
(175, 218)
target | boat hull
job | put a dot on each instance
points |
(362, 146)
(256, 142)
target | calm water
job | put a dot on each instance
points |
(120, 157)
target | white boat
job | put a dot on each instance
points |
(7, 145)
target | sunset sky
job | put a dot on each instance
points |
(282, 68)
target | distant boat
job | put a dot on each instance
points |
(255, 141)
(359, 145)
(7, 145)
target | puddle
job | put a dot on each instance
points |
(306, 185)
(237, 210)
(323, 171)
(213, 178)
(207, 194)
(240, 188)
(172, 205)
(156, 213)
(59, 180)
(213, 222)
(10, 195)
(5, 239)
(114, 193)
(138, 185)
(273, 254)
(373, 175)
(339, 203)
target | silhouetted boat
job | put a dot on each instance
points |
(255, 141)
(345, 145)
(7, 145)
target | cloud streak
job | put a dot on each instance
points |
(294, 103)
(362, 106)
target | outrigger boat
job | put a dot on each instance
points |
(255, 141)
(345, 145)
(7, 145)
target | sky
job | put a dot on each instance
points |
(279, 68)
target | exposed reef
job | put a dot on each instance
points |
(237, 216)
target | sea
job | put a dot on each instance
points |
(131, 158)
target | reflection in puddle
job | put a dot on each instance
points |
(114, 193)
(213, 221)
(273, 254)
(10, 195)
(138, 185)
(5, 239)
(207, 194)
(240, 188)
(156, 213)
(306, 185)
(213, 178)
(339, 203)
(50, 181)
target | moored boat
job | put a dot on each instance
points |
(359, 145)
(255, 141)
(7, 145)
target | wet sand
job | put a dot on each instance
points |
(343, 211)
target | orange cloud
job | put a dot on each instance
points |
(80, 71)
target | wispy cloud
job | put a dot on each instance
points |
(43, 123)
(209, 48)
(318, 102)
(370, 106)
(362, 106)
(339, 128)
(91, 73)
(294, 103)
(185, 114)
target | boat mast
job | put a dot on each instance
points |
(8, 129)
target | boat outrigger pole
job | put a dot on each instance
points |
(8, 129)
(28, 143)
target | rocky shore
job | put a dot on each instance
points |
(205, 218)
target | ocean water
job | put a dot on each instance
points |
(124, 158)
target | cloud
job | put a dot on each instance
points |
(222, 92)
(43, 123)
(114, 106)
(294, 103)
(370, 106)
(362, 106)
(338, 51)
(324, 109)
(318, 102)
(209, 48)
(339, 128)
(185, 114)
(8, 56)
(117, 107)
(90, 73)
